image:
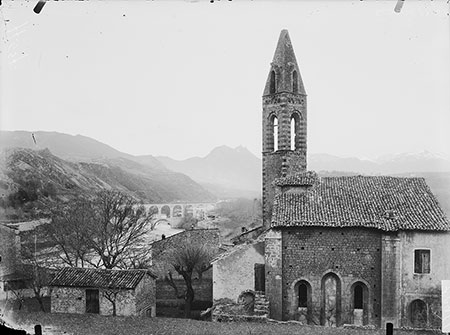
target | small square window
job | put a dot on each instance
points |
(421, 261)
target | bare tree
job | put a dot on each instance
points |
(19, 296)
(120, 228)
(71, 231)
(187, 259)
(106, 231)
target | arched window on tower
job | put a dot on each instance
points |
(294, 82)
(272, 82)
(275, 133)
(295, 128)
(292, 133)
(271, 133)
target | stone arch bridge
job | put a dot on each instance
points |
(173, 210)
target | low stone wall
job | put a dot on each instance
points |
(228, 310)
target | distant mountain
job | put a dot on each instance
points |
(401, 163)
(143, 176)
(76, 148)
(233, 169)
(44, 178)
(233, 172)
(424, 161)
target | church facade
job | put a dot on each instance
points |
(362, 250)
(365, 250)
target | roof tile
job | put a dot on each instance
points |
(102, 278)
(381, 202)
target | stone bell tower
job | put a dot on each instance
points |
(284, 121)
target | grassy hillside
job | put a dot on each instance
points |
(30, 181)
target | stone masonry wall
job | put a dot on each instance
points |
(390, 272)
(276, 165)
(146, 297)
(73, 300)
(68, 300)
(352, 254)
(229, 310)
(125, 303)
(284, 161)
(274, 273)
(423, 286)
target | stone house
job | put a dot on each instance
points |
(104, 292)
(363, 250)
(9, 256)
(245, 264)
(243, 297)
(20, 278)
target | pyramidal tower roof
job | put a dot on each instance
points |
(284, 64)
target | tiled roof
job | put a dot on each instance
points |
(237, 248)
(381, 202)
(308, 178)
(87, 277)
(209, 238)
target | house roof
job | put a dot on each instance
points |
(235, 249)
(381, 202)
(102, 278)
(209, 238)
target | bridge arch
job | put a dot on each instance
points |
(153, 209)
(177, 211)
(166, 210)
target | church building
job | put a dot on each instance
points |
(362, 250)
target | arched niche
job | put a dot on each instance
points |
(331, 300)
(272, 85)
(294, 82)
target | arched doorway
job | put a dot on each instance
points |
(331, 300)
(302, 303)
(360, 305)
(418, 313)
(247, 301)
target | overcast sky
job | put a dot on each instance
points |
(180, 78)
